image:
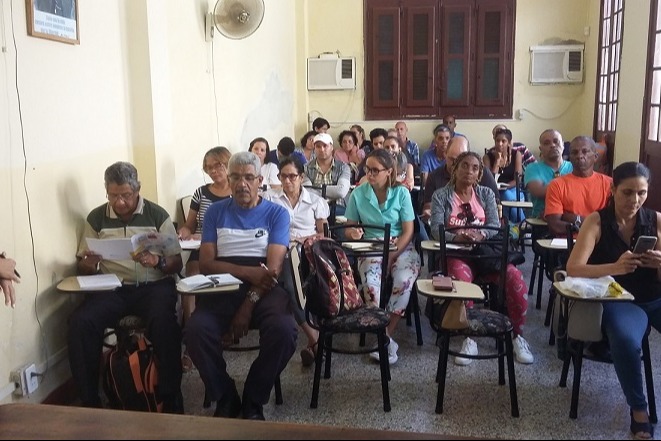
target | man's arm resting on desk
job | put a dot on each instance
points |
(260, 278)
(558, 222)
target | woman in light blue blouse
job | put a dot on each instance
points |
(379, 201)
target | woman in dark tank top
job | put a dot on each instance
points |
(604, 247)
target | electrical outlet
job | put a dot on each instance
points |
(18, 378)
(25, 382)
(31, 378)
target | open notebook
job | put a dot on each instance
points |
(200, 281)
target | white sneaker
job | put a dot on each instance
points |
(392, 353)
(469, 347)
(522, 351)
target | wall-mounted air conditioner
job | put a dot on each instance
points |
(556, 64)
(330, 72)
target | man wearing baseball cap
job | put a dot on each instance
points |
(325, 170)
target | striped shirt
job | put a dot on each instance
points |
(202, 199)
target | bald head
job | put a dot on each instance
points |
(457, 146)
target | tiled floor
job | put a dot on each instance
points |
(475, 405)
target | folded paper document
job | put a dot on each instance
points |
(99, 282)
(124, 248)
(200, 281)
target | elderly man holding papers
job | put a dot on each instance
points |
(148, 289)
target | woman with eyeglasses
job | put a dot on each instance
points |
(269, 171)
(308, 213)
(605, 247)
(463, 202)
(505, 163)
(214, 164)
(379, 201)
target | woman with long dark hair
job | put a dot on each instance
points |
(604, 248)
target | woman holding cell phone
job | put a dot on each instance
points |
(606, 246)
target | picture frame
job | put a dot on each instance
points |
(53, 20)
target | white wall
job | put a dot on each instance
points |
(139, 87)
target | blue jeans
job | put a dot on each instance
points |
(625, 324)
(513, 214)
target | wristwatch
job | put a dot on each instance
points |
(161, 263)
(578, 221)
(253, 296)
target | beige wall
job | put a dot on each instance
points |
(140, 87)
(565, 107)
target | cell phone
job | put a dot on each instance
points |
(644, 243)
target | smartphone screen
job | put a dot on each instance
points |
(644, 243)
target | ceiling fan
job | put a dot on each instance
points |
(235, 19)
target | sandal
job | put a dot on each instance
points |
(186, 363)
(308, 355)
(643, 430)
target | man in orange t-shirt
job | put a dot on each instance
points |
(570, 198)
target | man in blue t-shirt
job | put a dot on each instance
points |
(540, 173)
(434, 158)
(247, 237)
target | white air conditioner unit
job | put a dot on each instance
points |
(331, 73)
(556, 64)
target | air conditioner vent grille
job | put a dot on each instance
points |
(575, 58)
(347, 69)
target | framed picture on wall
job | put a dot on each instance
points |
(53, 19)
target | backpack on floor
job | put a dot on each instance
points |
(130, 374)
(329, 285)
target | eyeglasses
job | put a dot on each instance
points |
(234, 177)
(373, 171)
(124, 196)
(556, 173)
(291, 177)
(466, 213)
(216, 168)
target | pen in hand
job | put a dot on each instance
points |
(4, 256)
(267, 269)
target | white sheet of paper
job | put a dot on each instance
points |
(559, 242)
(190, 244)
(111, 249)
(99, 282)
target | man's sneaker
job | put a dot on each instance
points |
(392, 353)
(469, 347)
(522, 350)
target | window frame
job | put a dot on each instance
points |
(609, 62)
(472, 104)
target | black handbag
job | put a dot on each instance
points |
(492, 265)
